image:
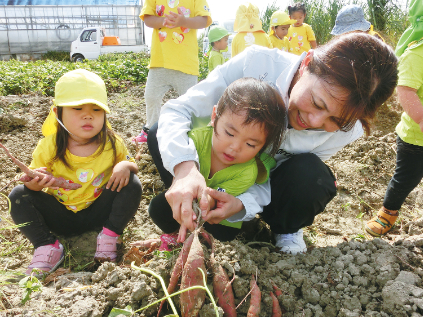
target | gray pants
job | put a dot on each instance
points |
(159, 81)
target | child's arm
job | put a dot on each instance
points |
(411, 104)
(120, 175)
(313, 44)
(174, 20)
(153, 21)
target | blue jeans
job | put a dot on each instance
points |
(408, 174)
(45, 214)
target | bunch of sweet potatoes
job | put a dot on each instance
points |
(190, 259)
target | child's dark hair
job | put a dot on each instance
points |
(298, 6)
(62, 136)
(261, 103)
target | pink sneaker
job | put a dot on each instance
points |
(46, 258)
(140, 138)
(107, 248)
(169, 242)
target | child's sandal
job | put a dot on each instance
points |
(382, 223)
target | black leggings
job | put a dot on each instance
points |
(408, 174)
(302, 186)
(45, 214)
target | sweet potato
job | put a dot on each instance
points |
(192, 301)
(276, 308)
(222, 288)
(146, 244)
(277, 290)
(59, 182)
(177, 269)
(255, 301)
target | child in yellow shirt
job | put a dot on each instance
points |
(218, 39)
(249, 28)
(300, 34)
(279, 26)
(174, 51)
(80, 147)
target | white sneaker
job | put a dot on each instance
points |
(291, 242)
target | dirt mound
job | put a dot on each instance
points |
(344, 272)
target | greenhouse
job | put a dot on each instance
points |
(36, 27)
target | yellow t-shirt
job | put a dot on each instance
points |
(92, 172)
(242, 40)
(282, 44)
(299, 38)
(175, 48)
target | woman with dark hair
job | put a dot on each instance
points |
(332, 93)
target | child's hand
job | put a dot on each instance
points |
(174, 20)
(37, 184)
(207, 203)
(226, 206)
(120, 176)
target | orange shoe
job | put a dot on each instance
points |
(382, 223)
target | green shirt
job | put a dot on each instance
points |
(215, 59)
(411, 75)
(235, 179)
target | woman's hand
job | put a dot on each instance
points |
(226, 206)
(120, 175)
(37, 184)
(188, 184)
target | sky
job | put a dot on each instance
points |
(226, 9)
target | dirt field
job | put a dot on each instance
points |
(344, 273)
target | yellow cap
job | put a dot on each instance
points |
(279, 18)
(247, 19)
(76, 88)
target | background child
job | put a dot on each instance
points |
(174, 51)
(81, 148)
(279, 26)
(300, 34)
(249, 118)
(409, 168)
(249, 28)
(351, 18)
(218, 39)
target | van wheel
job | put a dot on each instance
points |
(78, 58)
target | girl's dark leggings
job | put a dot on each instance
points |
(408, 174)
(302, 186)
(44, 214)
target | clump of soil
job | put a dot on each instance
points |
(344, 273)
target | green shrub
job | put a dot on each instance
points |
(117, 70)
(56, 56)
(386, 17)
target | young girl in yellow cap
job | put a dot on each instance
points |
(249, 28)
(79, 146)
(279, 26)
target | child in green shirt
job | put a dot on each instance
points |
(218, 39)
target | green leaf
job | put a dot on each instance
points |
(127, 311)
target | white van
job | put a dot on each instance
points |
(229, 26)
